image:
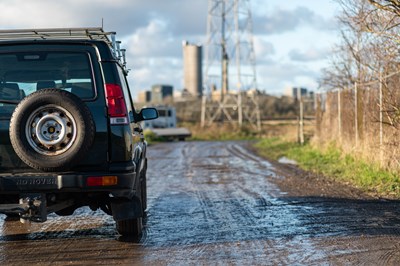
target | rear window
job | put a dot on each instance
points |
(23, 73)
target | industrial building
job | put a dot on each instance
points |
(159, 93)
(192, 66)
(144, 96)
(295, 91)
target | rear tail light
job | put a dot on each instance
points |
(101, 181)
(116, 104)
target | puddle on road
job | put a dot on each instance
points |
(214, 203)
(286, 160)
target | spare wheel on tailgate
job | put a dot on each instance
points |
(51, 130)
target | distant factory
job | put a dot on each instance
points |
(192, 69)
(296, 92)
(192, 79)
(158, 94)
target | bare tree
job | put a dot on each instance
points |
(369, 42)
(392, 6)
(367, 56)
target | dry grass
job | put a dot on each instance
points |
(366, 143)
(287, 130)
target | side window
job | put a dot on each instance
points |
(125, 88)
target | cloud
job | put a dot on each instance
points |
(153, 40)
(275, 77)
(155, 56)
(311, 54)
(286, 71)
(123, 16)
(152, 32)
(146, 73)
(262, 48)
(284, 20)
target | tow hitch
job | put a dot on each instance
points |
(31, 207)
(35, 209)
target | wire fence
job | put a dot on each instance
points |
(363, 119)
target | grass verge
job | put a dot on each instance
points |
(151, 137)
(221, 132)
(212, 133)
(333, 163)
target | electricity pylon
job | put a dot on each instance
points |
(230, 90)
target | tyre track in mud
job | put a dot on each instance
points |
(233, 199)
(218, 203)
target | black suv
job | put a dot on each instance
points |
(69, 133)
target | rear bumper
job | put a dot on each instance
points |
(66, 182)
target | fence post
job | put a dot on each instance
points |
(301, 116)
(318, 115)
(339, 117)
(381, 118)
(356, 112)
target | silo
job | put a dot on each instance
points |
(192, 65)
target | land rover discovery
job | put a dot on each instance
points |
(69, 133)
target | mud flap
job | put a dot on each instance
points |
(124, 209)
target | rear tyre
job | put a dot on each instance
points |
(130, 228)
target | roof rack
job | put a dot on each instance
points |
(68, 33)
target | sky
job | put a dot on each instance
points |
(292, 39)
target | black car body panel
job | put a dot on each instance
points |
(58, 183)
(89, 68)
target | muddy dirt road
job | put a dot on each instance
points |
(218, 203)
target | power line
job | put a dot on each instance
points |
(230, 92)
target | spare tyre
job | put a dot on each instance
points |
(51, 130)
